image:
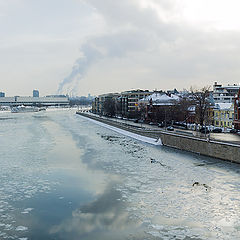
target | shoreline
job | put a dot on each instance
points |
(216, 149)
(141, 138)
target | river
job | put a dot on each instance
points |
(64, 177)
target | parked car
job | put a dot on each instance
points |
(161, 125)
(204, 130)
(180, 124)
(217, 130)
(233, 131)
(170, 128)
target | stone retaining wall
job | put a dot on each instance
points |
(224, 151)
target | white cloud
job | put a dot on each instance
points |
(120, 44)
(155, 37)
(218, 14)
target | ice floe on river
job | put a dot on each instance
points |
(156, 183)
(23, 171)
(160, 191)
(21, 228)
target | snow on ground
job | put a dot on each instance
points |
(126, 133)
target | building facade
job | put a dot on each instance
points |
(126, 103)
(237, 111)
(34, 101)
(99, 105)
(225, 94)
(160, 107)
(224, 115)
(129, 101)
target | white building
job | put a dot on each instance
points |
(224, 94)
(30, 101)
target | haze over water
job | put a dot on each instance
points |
(63, 177)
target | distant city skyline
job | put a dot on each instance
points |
(36, 93)
(89, 95)
(81, 47)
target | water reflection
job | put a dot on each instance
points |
(85, 182)
(103, 218)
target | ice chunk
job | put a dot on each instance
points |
(21, 228)
(27, 210)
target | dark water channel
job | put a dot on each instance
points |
(63, 177)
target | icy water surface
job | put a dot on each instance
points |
(63, 177)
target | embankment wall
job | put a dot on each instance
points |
(224, 151)
(221, 150)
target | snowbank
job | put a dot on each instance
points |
(127, 133)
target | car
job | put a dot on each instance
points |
(151, 123)
(217, 130)
(204, 130)
(233, 131)
(170, 128)
(136, 120)
(180, 124)
(161, 125)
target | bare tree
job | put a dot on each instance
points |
(201, 101)
(181, 109)
(109, 107)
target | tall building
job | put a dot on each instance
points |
(102, 99)
(126, 103)
(130, 99)
(2, 94)
(35, 93)
(225, 94)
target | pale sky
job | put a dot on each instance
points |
(99, 46)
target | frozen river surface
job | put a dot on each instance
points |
(64, 177)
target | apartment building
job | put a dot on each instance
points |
(130, 99)
(225, 94)
(98, 103)
(126, 103)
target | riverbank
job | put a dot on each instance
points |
(216, 149)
